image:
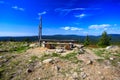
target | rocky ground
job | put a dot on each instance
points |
(22, 61)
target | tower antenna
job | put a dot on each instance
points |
(40, 31)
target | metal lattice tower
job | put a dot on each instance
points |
(40, 31)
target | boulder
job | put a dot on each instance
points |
(113, 48)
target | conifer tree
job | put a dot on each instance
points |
(87, 41)
(104, 40)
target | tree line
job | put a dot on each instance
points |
(103, 41)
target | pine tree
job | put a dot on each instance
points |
(104, 40)
(87, 41)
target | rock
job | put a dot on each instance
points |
(109, 47)
(102, 77)
(111, 58)
(81, 69)
(75, 75)
(83, 75)
(33, 45)
(99, 72)
(118, 62)
(81, 51)
(82, 46)
(38, 65)
(30, 60)
(43, 44)
(1, 57)
(59, 50)
(79, 46)
(48, 61)
(57, 68)
(113, 48)
(89, 62)
(25, 45)
(107, 63)
(29, 70)
(114, 53)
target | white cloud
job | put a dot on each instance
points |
(42, 13)
(74, 28)
(66, 28)
(102, 26)
(21, 9)
(115, 24)
(64, 11)
(80, 16)
(18, 8)
(71, 28)
(76, 9)
(73, 9)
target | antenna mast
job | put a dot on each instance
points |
(40, 31)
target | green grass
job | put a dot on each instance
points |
(71, 57)
(99, 52)
(1, 70)
(100, 60)
(45, 56)
(55, 55)
(33, 58)
(17, 47)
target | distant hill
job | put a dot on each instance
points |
(94, 39)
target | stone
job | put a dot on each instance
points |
(57, 68)
(102, 77)
(109, 47)
(59, 50)
(30, 60)
(43, 44)
(25, 45)
(1, 57)
(113, 48)
(99, 72)
(111, 58)
(48, 61)
(38, 65)
(83, 75)
(33, 45)
(81, 69)
(75, 75)
(29, 70)
(81, 51)
(89, 62)
(118, 62)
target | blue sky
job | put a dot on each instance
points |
(66, 17)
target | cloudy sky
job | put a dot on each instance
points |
(79, 17)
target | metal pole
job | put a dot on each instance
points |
(40, 31)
